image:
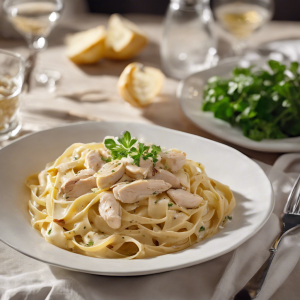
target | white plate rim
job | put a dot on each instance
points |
(154, 270)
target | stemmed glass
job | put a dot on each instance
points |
(34, 19)
(241, 18)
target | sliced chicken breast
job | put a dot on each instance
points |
(110, 173)
(93, 160)
(139, 189)
(184, 199)
(110, 210)
(79, 185)
(174, 159)
(166, 176)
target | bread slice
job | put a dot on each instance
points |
(139, 85)
(87, 47)
(124, 39)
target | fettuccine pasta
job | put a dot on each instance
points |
(125, 199)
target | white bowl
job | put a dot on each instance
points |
(29, 154)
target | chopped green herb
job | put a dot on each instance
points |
(112, 171)
(155, 202)
(166, 167)
(202, 228)
(122, 237)
(118, 164)
(106, 159)
(229, 218)
(154, 193)
(84, 227)
(91, 243)
(49, 231)
(170, 204)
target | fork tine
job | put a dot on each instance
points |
(297, 205)
(289, 207)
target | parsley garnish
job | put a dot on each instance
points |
(76, 157)
(49, 231)
(229, 218)
(84, 227)
(124, 148)
(91, 243)
(202, 228)
(154, 193)
(112, 171)
(106, 159)
(170, 204)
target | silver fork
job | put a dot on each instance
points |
(291, 221)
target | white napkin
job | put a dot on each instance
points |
(24, 278)
(249, 257)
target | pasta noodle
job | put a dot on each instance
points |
(89, 203)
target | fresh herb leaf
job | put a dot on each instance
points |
(170, 204)
(263, 103)
(49, 231)
(107, 160)
(110, 144)
(124, 147)
(91, 243)
(202, 228)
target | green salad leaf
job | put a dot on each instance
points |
(265, 104)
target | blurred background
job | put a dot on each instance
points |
(288, 10)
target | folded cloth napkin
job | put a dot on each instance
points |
(24, 278)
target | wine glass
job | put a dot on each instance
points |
(34, 19)
(241, 18)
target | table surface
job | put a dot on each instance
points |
(41, 109)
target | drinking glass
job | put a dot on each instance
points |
(241, 18)
(12, 68)
(188, 44)
(34, 19)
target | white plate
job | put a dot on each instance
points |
(28, 155)
(190, 91)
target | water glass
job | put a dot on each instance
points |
(12, 68)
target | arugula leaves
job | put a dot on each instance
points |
(124, 148)
(264, 104)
